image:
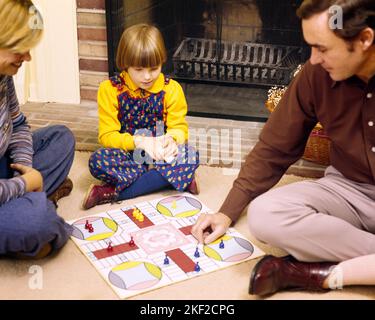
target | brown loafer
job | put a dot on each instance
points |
(272, 274)
(62, 191)
(43, 252)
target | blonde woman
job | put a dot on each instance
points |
(33, 166)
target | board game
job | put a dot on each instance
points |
(149, 245)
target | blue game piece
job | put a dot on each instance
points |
(196, 253)
(166, 260)
(197, 267)
(221, 245)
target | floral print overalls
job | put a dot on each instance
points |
(138, 115)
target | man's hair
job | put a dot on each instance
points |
(357, 15)
(141, 45)
(18, 30)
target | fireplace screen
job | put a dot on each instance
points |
(235, 62)
(225, 53)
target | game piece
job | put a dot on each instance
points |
(174, 204)
(141, 218)
(138, 215)
(91, 228)
(221, 245)
(110, 248)
(131, 242)
(197, 268)
(196, 253)
(87, 224)
(166, 260)
(135, 212)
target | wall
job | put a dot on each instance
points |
(53, 73)
(92, 46)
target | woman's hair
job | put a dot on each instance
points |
(357, 15)
(21, 25)
(141, 45)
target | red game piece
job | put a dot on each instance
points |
(87, 225)
(110, 248)
(131, 242)
(91, 228)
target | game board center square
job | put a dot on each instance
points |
(159, 238)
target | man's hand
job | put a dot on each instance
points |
(33, 178)
(218, 222)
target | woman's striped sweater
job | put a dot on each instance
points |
(15, 138)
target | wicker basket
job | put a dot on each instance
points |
(318, 144)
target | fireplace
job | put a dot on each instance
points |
(226, 54)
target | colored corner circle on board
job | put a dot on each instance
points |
(103, 228)
(235, 249)
(135, 275)
(179, 207)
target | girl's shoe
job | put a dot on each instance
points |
(99, 195)
(193, 187)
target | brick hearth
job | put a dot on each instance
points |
(82, 120)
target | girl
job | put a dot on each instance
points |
(142, 125)
(33, 166)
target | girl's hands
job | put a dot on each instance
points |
(159, 148)
(149, 144)
(168, 149)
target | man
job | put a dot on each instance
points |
(331, 219)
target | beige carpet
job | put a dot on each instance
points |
(69, 275)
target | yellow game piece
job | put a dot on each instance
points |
(141, 218)
(174, 204)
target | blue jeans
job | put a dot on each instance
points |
(30, 222)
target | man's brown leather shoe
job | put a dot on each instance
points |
(62, 191)
(272, 274)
